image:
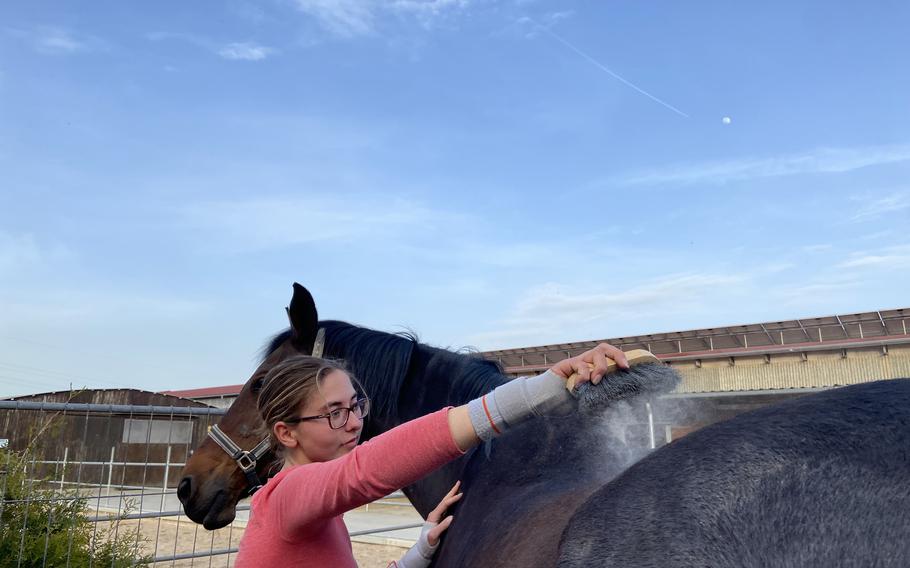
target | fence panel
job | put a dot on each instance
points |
(87, 484)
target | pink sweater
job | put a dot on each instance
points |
(296, 517)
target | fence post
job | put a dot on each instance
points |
(66, 452)
(651, 440)
(110, 471)
(167, 467)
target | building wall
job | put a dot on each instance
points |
(797, 370)
(93, 437)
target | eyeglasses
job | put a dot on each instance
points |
(339, 417)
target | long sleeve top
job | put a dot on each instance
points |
(296, 517)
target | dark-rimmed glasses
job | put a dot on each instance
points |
(339, 417)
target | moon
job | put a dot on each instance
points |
(726, 120)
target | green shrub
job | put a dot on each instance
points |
(43, 527)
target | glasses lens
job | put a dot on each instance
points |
(362, 407)
(338, 418)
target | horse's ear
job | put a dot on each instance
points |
(304, 319)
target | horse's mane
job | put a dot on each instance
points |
(380, 362)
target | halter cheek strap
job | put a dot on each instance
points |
(319, 343)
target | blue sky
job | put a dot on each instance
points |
(486, 173)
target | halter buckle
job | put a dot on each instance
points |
(246, 461)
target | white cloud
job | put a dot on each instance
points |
(53, 40)
(894, 257)
(22, 253)
(82, 307)
(353, 18)
(816, 248)
(824, 160)
(562, 310)
(876, 208)
(235, 51)
(245, 51)
(256, 224)
(530, 28)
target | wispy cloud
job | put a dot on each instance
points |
(877, 207)
(69, 307)
(823, 160)
(893, 257)
(246, 51)
(54, 40)
(235, 51)
(816, 248)
(257, 224)
(353, 18)
(556, 309)
(20, 253)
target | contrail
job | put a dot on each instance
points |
(604, 68)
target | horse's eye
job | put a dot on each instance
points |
(257, 384)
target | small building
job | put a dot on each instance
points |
(140, 447)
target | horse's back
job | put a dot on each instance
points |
(823, 480)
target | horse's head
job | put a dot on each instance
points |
(229, 463)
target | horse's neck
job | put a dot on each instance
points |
(438, 380)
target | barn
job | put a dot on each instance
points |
(127, 437)
(726, 370)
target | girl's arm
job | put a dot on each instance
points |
(317, 491)
(408, 452)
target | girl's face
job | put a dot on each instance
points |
(316, 441)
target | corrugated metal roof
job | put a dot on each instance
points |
(112, 396)
(206, 392)
(858, 327)
(848, 331)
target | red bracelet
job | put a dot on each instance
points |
(483, 400)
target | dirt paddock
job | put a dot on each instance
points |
(183, 536)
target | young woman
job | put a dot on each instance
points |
(315, 416)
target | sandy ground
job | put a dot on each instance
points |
(183, 536)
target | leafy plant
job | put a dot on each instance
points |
(43, 527)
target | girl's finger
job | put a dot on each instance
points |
(446, 502)
(582, 370)
(447, 499)
(601, 364)
(616, 354)
(435, 532)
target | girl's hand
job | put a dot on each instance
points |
(580, 365)
(436, 515)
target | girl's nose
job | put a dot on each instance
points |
(354, 422)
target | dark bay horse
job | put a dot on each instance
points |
(541, 497)
(818, 481)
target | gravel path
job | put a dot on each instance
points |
(183, 536)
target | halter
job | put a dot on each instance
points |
(247, 459)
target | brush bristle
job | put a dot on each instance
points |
(647, 378)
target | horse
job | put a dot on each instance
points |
(543, 494)
(817, 481)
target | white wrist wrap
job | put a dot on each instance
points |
(419, 555)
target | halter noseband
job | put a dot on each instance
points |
(247, 460)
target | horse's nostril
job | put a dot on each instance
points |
(185, 489)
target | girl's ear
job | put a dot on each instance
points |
(284, 435)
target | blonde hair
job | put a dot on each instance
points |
(290, 383)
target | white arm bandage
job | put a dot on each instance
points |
(419, 555)
(519, 399)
